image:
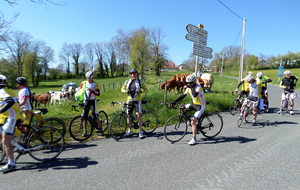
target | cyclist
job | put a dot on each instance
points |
(263, 91)
(91, 93)
(197, 94)
(11, 112)
(134, 88)
(24, 98)
(253, 96)
(288, 83)
(245, 86)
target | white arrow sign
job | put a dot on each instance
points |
(202, 54)
(202, 48)
(196, 31)
(195, 39)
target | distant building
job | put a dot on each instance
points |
(169, 67)
(182, 67)
(261, 62)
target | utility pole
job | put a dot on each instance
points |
(222, 64)
(242, 53)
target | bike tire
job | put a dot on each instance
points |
(56, 123)
(211, 124)
(103, 120)
(248, 114)
(235, 106)
(175, 128)
(149, 121)
(240, 120)
(118, 126)
(45, 141)
(76, 129)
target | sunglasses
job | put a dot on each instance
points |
(88, 78)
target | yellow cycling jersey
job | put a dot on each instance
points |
(12, 112)
(260, 85)
(198, 100)
(245, 86)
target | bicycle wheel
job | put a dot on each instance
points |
(149, 121)
(56, 123)
(248, 113)
(118, 126)
(44, 145)
(76, 129)
(235, 107)
(211, 124)
(175, 128)
(103, 120)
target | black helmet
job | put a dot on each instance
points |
(133, 71)
(2, 80)
(21, 80)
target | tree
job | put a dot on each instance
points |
(252, 61)
(64, 56)
(75, 52)
(89, 55)
(111, 56)
(140, 50)
(98, 49)
(47, 56)
(159, 49)
(17, 45)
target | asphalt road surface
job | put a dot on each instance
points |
(265, 156)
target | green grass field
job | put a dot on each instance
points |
(220, 97)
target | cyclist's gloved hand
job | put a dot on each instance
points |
(189, 86)
(139, 91)
(127, 91)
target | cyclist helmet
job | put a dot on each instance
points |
(2, 80)
(259, 75)
(287, 72)
(133, 71)
(249, 73)
(249, 78)
(21, 80)
(89, 74)
(190, 78)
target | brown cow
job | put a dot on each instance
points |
(171, 85)
(42, 98)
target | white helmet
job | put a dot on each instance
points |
(2, 80)
(259, 75)
(249, 78)
(89, 74)
(287, 72)
(190, 78)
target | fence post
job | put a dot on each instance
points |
(165, 98)
(103, 88)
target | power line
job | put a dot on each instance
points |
(230, 10)
(238, 36)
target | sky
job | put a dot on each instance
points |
(272, 26)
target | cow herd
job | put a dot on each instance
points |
(178, 82)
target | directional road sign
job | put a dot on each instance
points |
(195, 39)
(202, 48)
(281, 68)
(196, 31)
(280, 75)
(280, 72)
(202, 54)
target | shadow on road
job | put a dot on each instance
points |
(135, 137)
(57, 164)
(78, 146)
(217, 140)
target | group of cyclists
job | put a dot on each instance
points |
(256, 90)
(15, 107)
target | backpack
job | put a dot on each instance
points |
(79, 95)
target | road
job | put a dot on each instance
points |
(251, 157)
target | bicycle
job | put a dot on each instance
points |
(247, 111)
(43, 144)
(210, 124)
(76, 128)
(286, 102)
(118, 124)
(236, 104)
(37, 120)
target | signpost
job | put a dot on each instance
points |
(196, 31)
(202, 48)
(202, 54)
(196, 39)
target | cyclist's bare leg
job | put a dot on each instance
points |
(292, 104)
(139, 119)
(129, 124)
(255, 112)
(194, 127)
(84, 124)
(9, 150)
(99, 123)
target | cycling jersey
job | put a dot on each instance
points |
(90, 95)
(199, 99)
(288, 83)
(13, 111)
(259, 86)
(134, 88)
(245, 85)
(22, 94)
(265, 79)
